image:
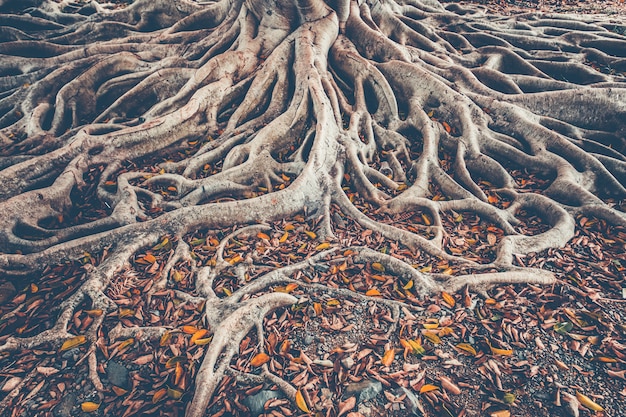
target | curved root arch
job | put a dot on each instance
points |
(170, 117)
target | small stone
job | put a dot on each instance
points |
(366, 390)
(308, 339)
(256, 402)
(347, 362)
(323, 362)
(117, 374)
(7, 292)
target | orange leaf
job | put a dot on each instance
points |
(189, 329)
(149, 258)
(588, 402)
(165, 339)
(260, 359)
(301, 403)
(322, 246)
(125, 344)
(317, 307)
(372, 293)
(448, 299)
(179, 373)
(198, 335)
(388, 357)
(159, 395)
(284, 237)
(504, 352)
(377, 266)
(94, 313)
(72, 342)
(262, 235)
(118, 391)
(126, 312)
(446, 126)
(500, 413)
(290, 287)
(310, 234)
(89, 406)
(428, 388)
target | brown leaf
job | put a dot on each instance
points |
(72, 342)
(346, 405)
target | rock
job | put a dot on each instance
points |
(7, 292)
(347, 362)
(412, 402)
(308, 339)
(64, 408)
(366, 390)
(257, 401)
(117, 374)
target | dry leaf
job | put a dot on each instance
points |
(11, 384)
(588, 402)
(500, 413)
(260, 359)
(322, 246)
(372, 293)
(377, 266)
(467, 348)
(159, 395)
(388, 357)
(310, 234)
(428, 388)
(72, 342)
(198, 335)
(174, 394)
(118, 391)
(300, 402)
(189, 329)
(448, 299)
(89, 406)
(504, 352)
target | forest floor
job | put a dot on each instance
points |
(514, 350)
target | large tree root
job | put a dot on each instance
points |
(176, 116)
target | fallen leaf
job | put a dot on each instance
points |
(72, 342)
(174, 394)
(504, 352)
(300, 402)
(388, 357)
(372, 293)
(89, 406)
(159, 395)
(118, 391)
(428, 388)
(377, 266)
(467, 348)
(322, 246)
(260, 359)
(588, 402)
(448, 299)
(500, 413)
(346, 405)
(198, 335)
(310, 234)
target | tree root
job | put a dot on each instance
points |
(176, 117)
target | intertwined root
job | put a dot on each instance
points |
(374, 108)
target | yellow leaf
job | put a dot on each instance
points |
(333, 302)
(165, 338)
(94, 313)
(388, 357)
(322, 246)
(174, 394)
(428, 388)
(426, 219)
(164, 242)
(202, 342)
(235, 259)
(467, 348)
(198, 335)
(260, 359)
(300, 402)
(262, 235)
(289, 227)
(588, 402)
(418, 349)
(189, 329)
(408, 285)
(431, 326)
(504, 352)
(445, 331)
(171, 362)
(500, 413)
(448, 299)
(372, 293)
(310, 234)
(227, 291)
(72, 342)
(377, 266)
(126, 312)
(430, 113)
(432, 337)
(177, 276)
(508, 398)
(284, 237)
(125, 344)
(89, 406)
(426, 269)
(159, 395)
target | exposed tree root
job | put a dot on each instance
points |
(259, 111)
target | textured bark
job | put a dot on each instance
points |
(377, 91)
